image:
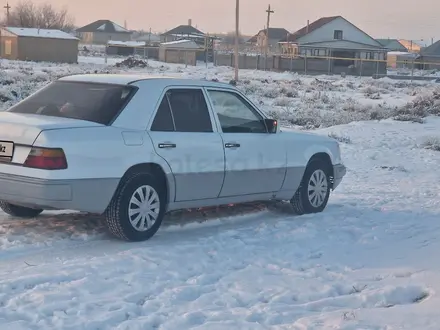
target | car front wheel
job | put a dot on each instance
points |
(137, 208)
(314, 191)
(19, 211)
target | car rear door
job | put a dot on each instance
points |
(185, 136)
(255, 159)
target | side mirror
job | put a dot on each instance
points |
(272, 125)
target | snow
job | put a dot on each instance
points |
(367, 262)
(403, 54)
(187, 44)
(40, 33)
(126, 43)
(117, 27)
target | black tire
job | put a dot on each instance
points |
(19, 211)
(117, 213)
(301, 202)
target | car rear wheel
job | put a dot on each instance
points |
(314, 191)
(137, 208)
(19, 211)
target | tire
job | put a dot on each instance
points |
(129, 228)
(303, 202)
(19, 211)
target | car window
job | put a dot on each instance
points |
(100, 103)
(163, 121)
(235, 114)
(189, 110)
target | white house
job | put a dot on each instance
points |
(333, 37)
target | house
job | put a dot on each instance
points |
(149, 38)
(392, 45)
(336, 45)
(179, 51)
(262, 38)
(101, 31)
(411, 45)
(187, 32)
(429, 58)
(32, 44)
(401, 60)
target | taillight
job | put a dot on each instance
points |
(47, 159)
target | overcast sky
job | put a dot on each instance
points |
(406, 19)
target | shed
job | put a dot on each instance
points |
(401, 60)
(180, 51)
(32, 44)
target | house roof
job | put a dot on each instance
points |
(182, 44)
(312, 27)
(40, 33)
(103, 25)
(433, 50)
(274, 33)
(184, 30)
(387, 42)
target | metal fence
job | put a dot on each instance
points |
(251, 58)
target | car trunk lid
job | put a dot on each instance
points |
(23, 129)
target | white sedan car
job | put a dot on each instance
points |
(134, 147)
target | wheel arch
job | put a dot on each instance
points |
(327, 160)
(156, 170)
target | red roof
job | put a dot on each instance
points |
(312, 27)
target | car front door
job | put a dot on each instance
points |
(255, 159)
(183, 134)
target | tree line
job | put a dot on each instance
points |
(27, 14)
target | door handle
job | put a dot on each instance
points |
(166, 145)
(232, 145)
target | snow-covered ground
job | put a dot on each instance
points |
(367, 262)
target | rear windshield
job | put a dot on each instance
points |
(99, 103)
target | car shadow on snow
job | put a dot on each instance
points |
(355, 222)
(84, 226)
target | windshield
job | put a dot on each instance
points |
(99, 103)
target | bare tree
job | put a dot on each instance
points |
(229, 39)
(45, 16)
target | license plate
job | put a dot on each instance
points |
(6, 150)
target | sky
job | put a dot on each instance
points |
(404, 19)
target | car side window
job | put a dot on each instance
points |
(163, 121)
(235, 114)
(189, 110)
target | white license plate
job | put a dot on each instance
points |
(6, 150)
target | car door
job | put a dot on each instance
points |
(183, 134)
(255, 159)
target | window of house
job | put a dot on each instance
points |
(338, 34)
(8, 47)
(189, 110)
(369, 56)
(316, 52)
(235, 114)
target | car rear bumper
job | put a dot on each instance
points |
(87, 195)
(339, 172)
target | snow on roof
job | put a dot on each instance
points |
(117, 27)
(40, 33)
(126, 43)
(187, 44)
(192, 35)
(402, 53)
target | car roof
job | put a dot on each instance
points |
(126, 79)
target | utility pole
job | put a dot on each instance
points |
(268, 11)
(7, 7)
(237, 28)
